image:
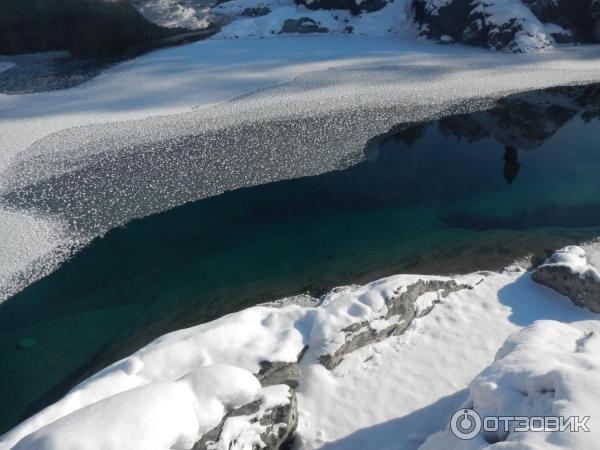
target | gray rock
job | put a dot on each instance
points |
(256, 11)
(272, 373)
(582, 288)
(278, 426)
(401, 305)
(302, 25)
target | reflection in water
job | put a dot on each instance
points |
(429, 198)
(511, 164)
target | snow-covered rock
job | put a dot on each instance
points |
(288, 17)
(201, 387)
(266, 424)
(548, 369)
(401, 308)
(157, 416)
(190, 14)
(204, 372)
(567, 271)
(513, 25)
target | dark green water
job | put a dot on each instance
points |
(465, 193)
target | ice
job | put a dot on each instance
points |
(58, 147)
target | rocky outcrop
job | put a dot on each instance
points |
(278, 372)
(401, 311)
(302, 25)
(266, 424)
(568, 273)
(512, 25)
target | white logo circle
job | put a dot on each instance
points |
(465, 424)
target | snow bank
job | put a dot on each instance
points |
(157, 416)
(243, 340)
(547, 369)
(387, 395)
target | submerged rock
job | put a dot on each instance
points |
(568, 273)
(26, 343)
(266, 424)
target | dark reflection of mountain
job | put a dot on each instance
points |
(511, 164)
(520, 122)
(430, 198)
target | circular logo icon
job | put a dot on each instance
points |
(465, 424)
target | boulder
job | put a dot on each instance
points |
(401, 311)
(302, 25)
(568, 273)
(265, 424)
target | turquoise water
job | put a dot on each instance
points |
(465, 193)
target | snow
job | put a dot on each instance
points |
(244, 432)
(547, 369)
(575, 258)
(393, 19)
(388, 395)
(191, 14)
(220, 84)
(531, 37)
(157, 416)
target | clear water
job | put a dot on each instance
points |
(464, 193)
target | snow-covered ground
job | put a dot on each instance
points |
(389, 395)
(393, 19)
(217, 84)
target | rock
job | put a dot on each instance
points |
(256, 11)
(302, 25)
(513, 25)
(354, 6)
(575, 16)
(272, 373)
(400, 313)
(568, 273)
(26, 343)
(266, 424)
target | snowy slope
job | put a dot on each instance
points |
(549, 369)
(388, 395)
